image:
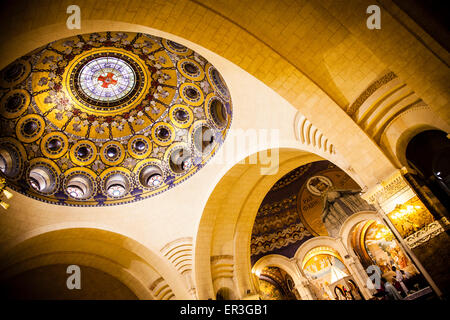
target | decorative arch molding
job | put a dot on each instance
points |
(353, 264)
(149, 274)
(179, 253)
(391, 113)
(348, 225)
(321, 241)
(404, 127)
(275, 260)
(308, 134)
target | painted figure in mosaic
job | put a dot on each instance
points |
(338, 205)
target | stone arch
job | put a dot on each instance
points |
(404, 127)
(352, 264)
(142, 271)
(285, 264)
(228, 218)
(346, 230)
(321, 241)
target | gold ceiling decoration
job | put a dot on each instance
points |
(108, 118)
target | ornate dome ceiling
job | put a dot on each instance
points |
(109, 118)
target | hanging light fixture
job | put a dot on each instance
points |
(4, 192)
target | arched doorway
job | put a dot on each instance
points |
(382, 256)
(328, 276)
(276, 284)
(428, 153)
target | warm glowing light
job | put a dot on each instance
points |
(4, 205)
(7, 194)
(410, 216)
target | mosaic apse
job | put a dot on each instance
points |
(109, 118)
(290, 213)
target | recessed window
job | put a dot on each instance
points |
(9, 162)
(79, 187)
(218, 113)
(5, 158)
(2, 164)
(75, 192)
(42, 179)
(180, 160)
(116, 185)
(203, 138)
(151, 176)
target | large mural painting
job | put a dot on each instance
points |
(291, 212)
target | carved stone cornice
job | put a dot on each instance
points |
(387, 189)
(427, 233)
(369, 91)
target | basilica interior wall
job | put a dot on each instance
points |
(315, 66)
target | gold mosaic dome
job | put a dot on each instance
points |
(109, 118)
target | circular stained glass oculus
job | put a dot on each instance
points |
(9, 161)
(190, 68)
(107, 79)
(218, 113)
(116, 185)
(151, 176)
(155, 180)
(180, 160)
(42, 179)
(163, 133)
(79, 186)
(112, 152)
(191, 93)
(14, 102)
(14, 72)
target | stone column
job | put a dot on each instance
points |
(356, 269)
(303, 285)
